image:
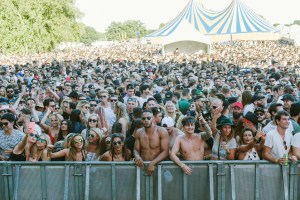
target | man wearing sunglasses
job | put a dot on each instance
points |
(9, 136)
(278, 141)
(151, 144)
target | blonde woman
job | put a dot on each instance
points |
(39, 152)
(95, 146)
(53, 129)
(170, 111)
(122, 117)
(93, 122)
(84, 107)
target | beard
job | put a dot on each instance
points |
(236, 115)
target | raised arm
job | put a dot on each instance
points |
(43, 121)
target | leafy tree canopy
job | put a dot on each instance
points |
(35, 26)
(126, 30)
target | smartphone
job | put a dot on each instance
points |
(4, 107)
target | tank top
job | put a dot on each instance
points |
(252, 155)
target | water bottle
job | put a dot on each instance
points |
(222, 149)
(286, 161)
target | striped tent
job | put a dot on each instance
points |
(237, 18)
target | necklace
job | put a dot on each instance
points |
(189, 141)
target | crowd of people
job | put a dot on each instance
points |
(128, 102)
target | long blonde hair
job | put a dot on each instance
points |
(121, 111)
(100, 148)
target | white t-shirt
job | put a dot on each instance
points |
(248, 108)
(270, 126)
(296, 140)
(276, 143)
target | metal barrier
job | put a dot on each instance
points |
(123, 180)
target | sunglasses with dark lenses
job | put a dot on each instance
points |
(144, 118)
(107, 142)
(86, 91)
(78, 141)
(260, 114)
(284, 144)
(10, 91)
(93, 120)
(91, 135)
(41, 140)
(34, 135)
(117, 143)
(93, 105)
(4, 124)
(103, 96)
(214, 107)
(114, 100)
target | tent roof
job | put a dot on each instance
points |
(236, 18)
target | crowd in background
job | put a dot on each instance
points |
(127, 102)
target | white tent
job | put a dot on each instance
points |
(186, 39)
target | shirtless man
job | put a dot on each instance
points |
(168, 123)
(151, 143)
(190, 145)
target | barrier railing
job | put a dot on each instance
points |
(123, 180)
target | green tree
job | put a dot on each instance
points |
(37, 26)
(297, 22)
(90, 35)
(126, 30)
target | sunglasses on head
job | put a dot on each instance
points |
(93, 120)
(117, 143)
(34, 135)
(144, 118)
(131, 99)
(41, 140)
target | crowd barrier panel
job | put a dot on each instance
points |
(210, 180)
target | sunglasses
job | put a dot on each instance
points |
(131, 99)
(93, 120)
(117, 143)
(86, 91)
(34, 135)
(91, 135)
(93, 105)
(114, 100)
(284, 144)
(260, 114)
(214, 107)
(87, 107)
(103, 96)
(78, 141)
(4, 124)
(10, 91)
(144, 118)
(41, 140)
(107, 142)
